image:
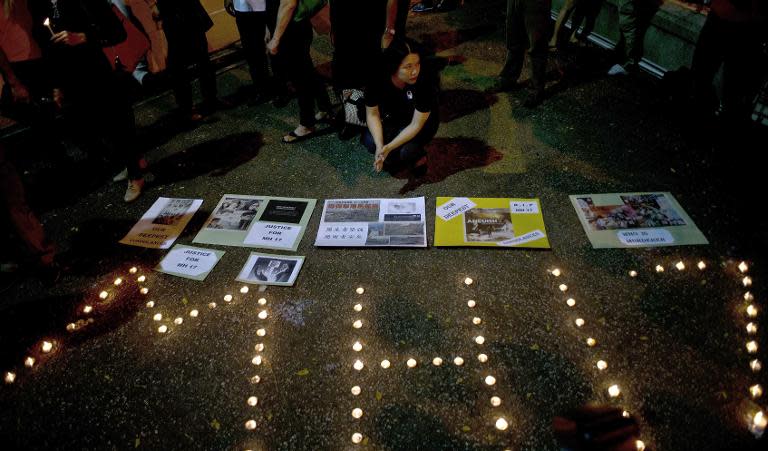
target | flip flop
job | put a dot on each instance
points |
(292, 137)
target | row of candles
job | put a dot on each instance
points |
(48, 346)
(258, 359)
(358, 365)
(614, 391)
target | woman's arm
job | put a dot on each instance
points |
(284, 16)
(373, 120)
(409, 132)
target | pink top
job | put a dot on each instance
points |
(16, 33)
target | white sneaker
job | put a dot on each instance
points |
(122, 175)
(134, 190)
(617, 69)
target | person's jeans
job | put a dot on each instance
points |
(527, 28)
(182, 52)
(409, 153)
(252, 26)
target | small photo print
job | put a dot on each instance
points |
(376, 236)
(173, 212)
(488, 225)
(352, 211)
(396, 228)
(264, 269)
(406, 241)
(289, 211)
(402, 208)
(637, 211)
(234, 214)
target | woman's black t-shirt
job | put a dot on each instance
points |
(396, 105)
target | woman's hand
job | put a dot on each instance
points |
(272, 46)
(380, 156)
(69, 38)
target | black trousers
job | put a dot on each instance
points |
(190, 49)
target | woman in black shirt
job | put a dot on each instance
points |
(401, 110)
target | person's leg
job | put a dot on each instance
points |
(707, 57)
(537, 26)
(743, 71)
(559, 37)
(628, 25)
(591, 11)
(516, 42)
(251, 27)
(199, 45)
(178, 61)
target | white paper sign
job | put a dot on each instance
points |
(528, 237)
(162, 223)
(192, 262)
(645, 237)
(523, 208)
(353, 234)
(454, 207)
(273, 235)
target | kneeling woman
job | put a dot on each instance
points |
(401, 111)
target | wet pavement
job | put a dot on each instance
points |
(674, 341)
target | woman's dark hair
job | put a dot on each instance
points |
(393, 55)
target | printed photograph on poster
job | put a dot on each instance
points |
(360, 210)
(626, 220)
(265, 269)
(488, 225)
(372, 222)
(189, 262)
(489, 222)
(163, 223)
(281, 210)
(234, 214)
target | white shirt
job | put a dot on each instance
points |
(247, 6)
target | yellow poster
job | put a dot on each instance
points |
(474, 221)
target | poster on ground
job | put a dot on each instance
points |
(628, 220)
(267, 269)
(162, 223)
(373, 223)
(489, 222)
(257, 221)
(189, 262)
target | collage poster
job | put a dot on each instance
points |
(267, 269)
(463, 221)
(373, 223)
(257, 221)
(162, 223)
(626, 220)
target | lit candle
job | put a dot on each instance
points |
(751, 328)
(141, 278)
(10, 377)
(263, 314)
(259, 347)
(252, 401)
(751, 311)
(756, 391)
(158, 317)
(437, 361)
(495, 401)
(490, 380)
(71, 327)
(256, 360)
(87, 309)
(579, 322)
(357, 346)
(261, 332)
(556, 272)
(357, 437)
(680, 265)
(458, 361)
(411, 363)
(640, 445)
(47, 23)
(262, 301)
(614, 391)
(476, 321)
(755, 365)
(471, 303)
(571, 302)
(601, 365)
(255, 379)
(103, 295)
(752, 347)
(244, 289)
(482, 358)
(194, 313)
(591, 342)
(358, 307)
(358, 365)
(633, 273)
(563, 287)
(118, 281)
(150, 304)
(47, 346)
(250, 425)
(29, 362)
(385, 363)
(746, 281)
(356, 390)
(659, 268)
(357, 324)
(360, 290)
(702, 266)
(227, 298)
(748, 297)
(468, 281)
(162, 329)
(479, 339)
(758, 424)
(357, 412)
(211, 305)
(144, 290)
(625, 414)
(178, 320)
(133, 270)
(501, 424)
(743, 267)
